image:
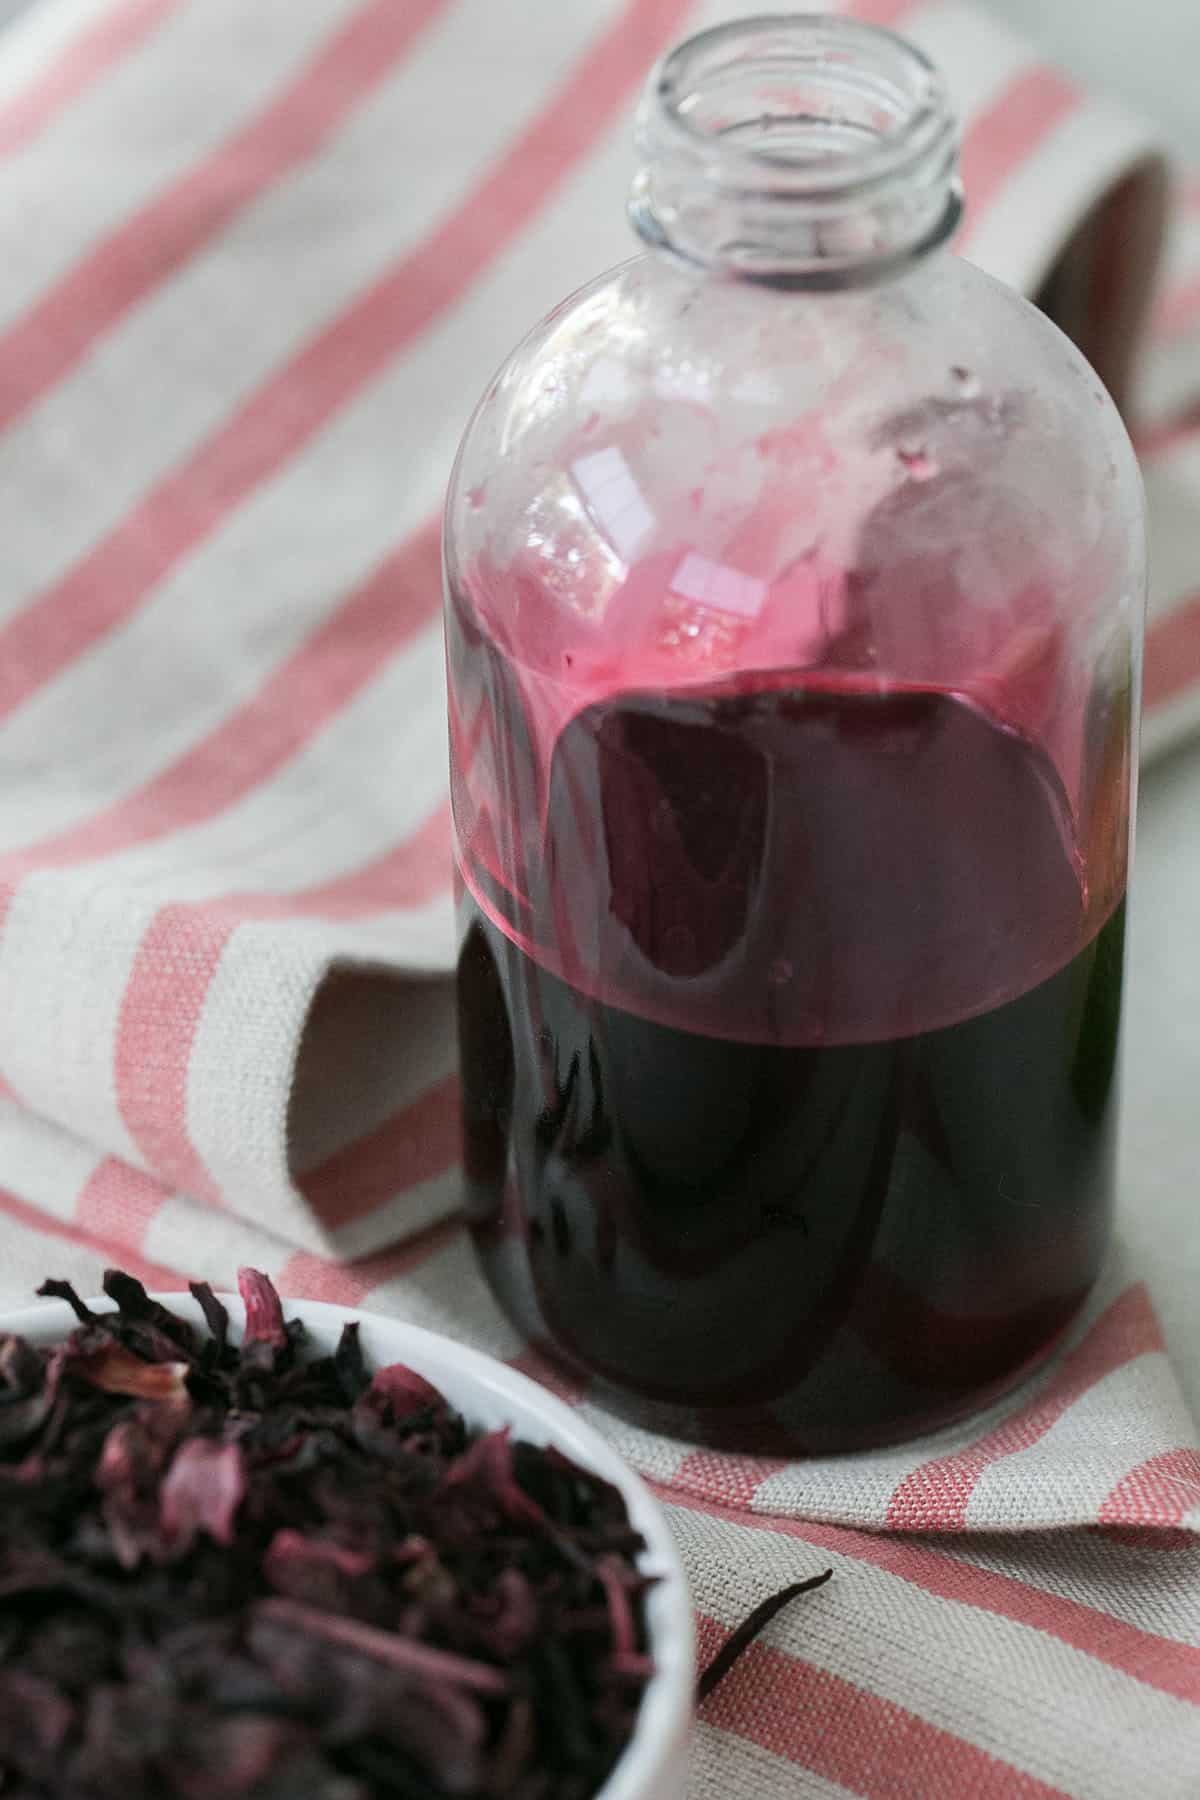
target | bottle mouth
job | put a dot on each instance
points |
(803, 148)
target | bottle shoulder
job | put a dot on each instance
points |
(722, 441)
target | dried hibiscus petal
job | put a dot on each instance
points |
(264, 1314)
(202, 1491)
(403, 1391)
(118, 1371)
(216, 1317)
(488, 1465)
(235, 1570)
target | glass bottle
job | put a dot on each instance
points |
(794, 604)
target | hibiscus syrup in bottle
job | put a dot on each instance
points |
(794, 600)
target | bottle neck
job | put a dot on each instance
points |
(800, 151)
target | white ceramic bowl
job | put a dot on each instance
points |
(488, 1394)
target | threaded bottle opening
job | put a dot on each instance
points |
(800, 150)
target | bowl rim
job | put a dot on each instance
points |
(654, 1755)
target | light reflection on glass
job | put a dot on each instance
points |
(576, 565)
(614, 500)
(718, 586)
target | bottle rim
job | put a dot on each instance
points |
(804, 149)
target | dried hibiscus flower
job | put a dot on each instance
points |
(244, 1571)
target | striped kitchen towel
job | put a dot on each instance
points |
(258, 261)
